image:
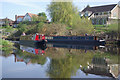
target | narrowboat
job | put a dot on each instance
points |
(31, 40)
(85, 40)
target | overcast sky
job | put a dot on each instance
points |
(10, 8)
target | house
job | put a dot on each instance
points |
(18, 19)
(102, 15)
(26, 17)
(6, 21)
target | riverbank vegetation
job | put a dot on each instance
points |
(109, 32)
(7, 47)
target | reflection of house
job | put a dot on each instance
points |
(101, 15)
(101, 67)
(32, 50)
(27, 17)
(21, 59)
(6, 21)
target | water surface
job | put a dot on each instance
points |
(61, 61)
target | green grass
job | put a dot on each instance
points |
(99, 25)
(109, 28)
(113, 27)
(68, 28)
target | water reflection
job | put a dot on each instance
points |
(66, 60)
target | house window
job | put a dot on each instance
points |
(114, 14)
(100, 13)
(97, 21)
(86, 13)
(104, 21)
(93, 21)
(96, 13)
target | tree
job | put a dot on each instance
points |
(22, 27)
(62, 12)
(42, 15)
(39, 18)
(66, 12)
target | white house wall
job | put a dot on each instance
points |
(27, 18)
(19, 19)
(115, 12)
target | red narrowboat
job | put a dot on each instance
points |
(32, 39)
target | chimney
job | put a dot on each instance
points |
(15, 17)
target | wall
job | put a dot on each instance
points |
(115, 12)
(27, 18)
(19, 19)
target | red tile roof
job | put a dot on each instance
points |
(20, 16)
(30, 14)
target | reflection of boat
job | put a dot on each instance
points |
(86, 40)
(32, 39)
(72, 46)
(33, 50)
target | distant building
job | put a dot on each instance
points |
(27, 17)
(6, 21)
(18, 19)
(102, 15)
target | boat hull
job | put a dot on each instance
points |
(31, 43)
(83, 42)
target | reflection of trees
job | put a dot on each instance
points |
(67, 66)
(7, 52)
(62, 68)
(56, 53)
(6, 47)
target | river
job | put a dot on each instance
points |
(61, 61)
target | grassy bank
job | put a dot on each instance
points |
(7, 47)
(109, 32)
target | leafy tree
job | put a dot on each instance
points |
(42, 15)
(22, 27)
(39, 27)
(62, 12)
(82, 26)
(66, 12)
(38, 18)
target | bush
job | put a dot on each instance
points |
(113, 27)
(22, 27)
(54, 29)
(82, 26)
